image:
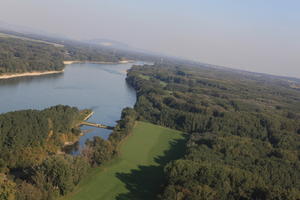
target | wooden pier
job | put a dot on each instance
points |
(85, 123)
(89, 115)
(96, 125)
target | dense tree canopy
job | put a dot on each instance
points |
(7, 188)
(244, 130)
(28, 136)
(99, 151)
(27, 55)
(90, 53)
(18, 56)
(32, 165)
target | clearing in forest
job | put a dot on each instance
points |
(138, 172)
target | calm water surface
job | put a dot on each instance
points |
(100, 87)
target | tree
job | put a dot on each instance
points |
(57, 171)
(26, 191)
(100, 151)
(7, 188)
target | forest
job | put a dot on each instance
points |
(19, 56)
(28, 136)
(29, 143)
(32, 163)
(244, 130)
(87, 50)
(27, 55)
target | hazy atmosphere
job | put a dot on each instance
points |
(149, 100)
(256, 35)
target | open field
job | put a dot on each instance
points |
(138, 172)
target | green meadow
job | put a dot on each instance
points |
(138, 172)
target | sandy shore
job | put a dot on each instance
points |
(8, 76)
(68, 62)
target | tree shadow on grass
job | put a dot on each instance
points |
(147, 182)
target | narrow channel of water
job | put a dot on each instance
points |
(100, 87)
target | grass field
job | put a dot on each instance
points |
(138, 172)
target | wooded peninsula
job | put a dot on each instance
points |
(24, 57)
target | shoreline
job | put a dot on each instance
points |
(82, 133)
(69, 62)
(9, 76)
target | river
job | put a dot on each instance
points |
(100, 87)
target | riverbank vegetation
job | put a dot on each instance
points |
(19, 56)
(28, 136)
(29, 143)
(244, 130)
(26, 55)
(98, 151)
(90, 53)
(32, 165)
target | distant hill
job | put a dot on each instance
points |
(126, 48)
(108, 43)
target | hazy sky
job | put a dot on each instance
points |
(256, 35)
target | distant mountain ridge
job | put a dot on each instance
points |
(108, 43)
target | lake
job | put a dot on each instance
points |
(100, 87)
